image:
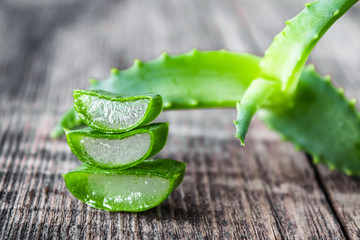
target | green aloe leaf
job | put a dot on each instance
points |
(118, 150)
(321, 122)
(258, 92)
(287, 54)
(185, 81)
(286, 57)
(135, 189)
(112, 113)
(191, 80)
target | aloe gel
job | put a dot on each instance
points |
(117, 150)
(113, 113)
(135, 189)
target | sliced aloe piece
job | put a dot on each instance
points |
(118, 150)
(135, 189)
(113, 113)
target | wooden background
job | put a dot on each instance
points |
(264, 191)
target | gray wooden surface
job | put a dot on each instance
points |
(264, 191)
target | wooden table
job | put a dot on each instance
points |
(266, 190)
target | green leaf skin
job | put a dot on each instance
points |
(102, 110)
(135, 189)
(259, 90)
(287, 54)
(157, 133)
(321, 122)
(212, 79)
(187, 81)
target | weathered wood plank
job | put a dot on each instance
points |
(342, 62)
(265, 190)
(344, 195)
(262, 191)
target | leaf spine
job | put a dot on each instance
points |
(115, 71)
(331, 166)
(165, 55)
(316, 159)
(309, 4)
(312, 68)
(348, 171)
(193, 102)
(223, 51)
(195, 52)
(297, 147)
(284, 138)
(93, 81)
(340, 91)
(352, 102)
(327, 78)
(138, 63)
(167, 104)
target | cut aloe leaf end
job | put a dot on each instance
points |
(135, 189)
(118, 150)
(113, 113)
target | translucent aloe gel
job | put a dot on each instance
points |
(135, 189)
(118, 150)
(114, 113)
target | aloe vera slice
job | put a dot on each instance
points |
(117, 150)
(135, 189)
(112, 113)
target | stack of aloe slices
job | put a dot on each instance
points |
(117, 174)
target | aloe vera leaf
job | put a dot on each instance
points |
(117, 150)
(321, 122)
(112, 113)
(135, 189)
(190, 80)
(259, 90)
(186, 81)
(287, 54)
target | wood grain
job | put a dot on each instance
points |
(264, 191)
